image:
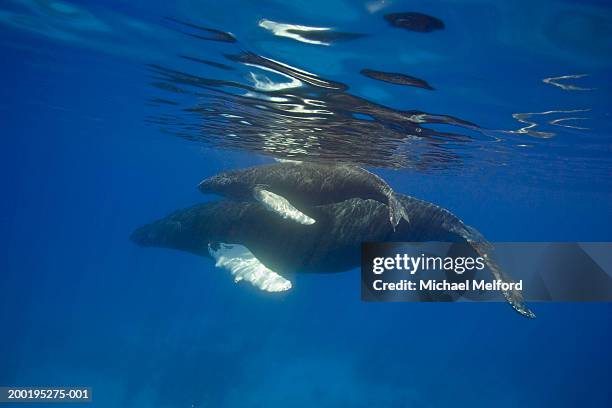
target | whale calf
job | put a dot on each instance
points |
(291, 189)
(270, 247)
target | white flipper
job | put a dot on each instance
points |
(243, 265)
(280, 205)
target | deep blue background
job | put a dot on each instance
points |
(80, 169)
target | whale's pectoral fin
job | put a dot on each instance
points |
(397, 211)
(243, 265)
(280, 205)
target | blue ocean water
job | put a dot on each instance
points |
(94, 95)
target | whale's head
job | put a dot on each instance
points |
(225, 184)
(215, 184)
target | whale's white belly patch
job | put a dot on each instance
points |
(243, 265)
(281, 206)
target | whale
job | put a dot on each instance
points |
(292, 189)
(257, 246)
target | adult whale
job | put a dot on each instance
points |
(256, 245)
(291, 189)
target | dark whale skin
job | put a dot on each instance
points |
(333, 244)
(303, 184)
(306, 185)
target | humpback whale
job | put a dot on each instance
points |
(230, 232)
(291, 189)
